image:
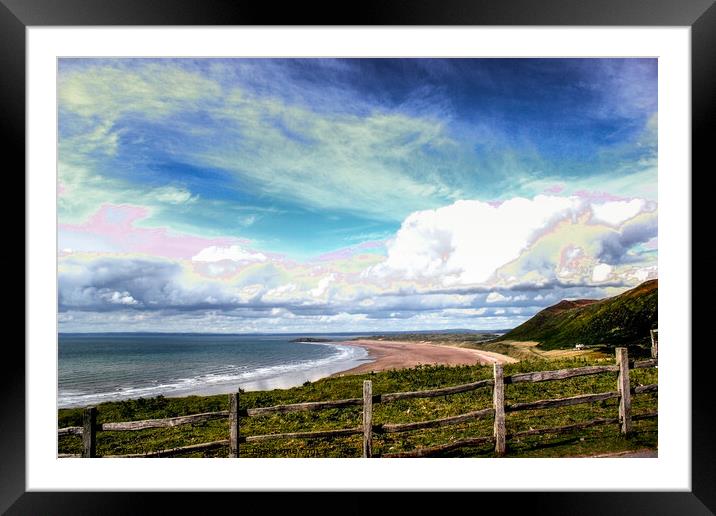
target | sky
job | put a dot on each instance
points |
(335, 195)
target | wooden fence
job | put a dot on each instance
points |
(499, 436)
(654, 343)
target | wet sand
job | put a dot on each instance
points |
(389, 354)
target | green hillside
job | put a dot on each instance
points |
(620, 320)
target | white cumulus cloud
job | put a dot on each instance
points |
(601, 272)
(495, 297)
(618, 212)
(467, 242)
(323, 285)
(234, 253)
(118, 298)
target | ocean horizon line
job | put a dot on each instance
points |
(253, 334)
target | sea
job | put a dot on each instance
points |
(98, 367)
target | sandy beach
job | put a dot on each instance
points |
(389, 354)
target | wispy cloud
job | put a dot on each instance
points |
(351, 194)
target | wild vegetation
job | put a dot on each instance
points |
(462, 340)
(623, 320)
(584, 442)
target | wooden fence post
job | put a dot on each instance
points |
(498, 392)
(234, 425)
(367, 418)
(624, 390)
(654, 343)
(89, 432)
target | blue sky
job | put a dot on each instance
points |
(351, 172)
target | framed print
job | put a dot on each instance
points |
(301, 197)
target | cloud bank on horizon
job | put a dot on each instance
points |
(297, 195)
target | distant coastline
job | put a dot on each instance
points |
(311, 339)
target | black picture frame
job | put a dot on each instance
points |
(700, 15)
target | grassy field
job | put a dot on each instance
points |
(462, 340)
(532, 351)
(529, 350)
(586, 442)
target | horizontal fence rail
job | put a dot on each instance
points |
(561, 402)
(162, 423)
(303, 435)
(180, 450)
(384, 398)
(301, 407)
(561, 374)
(564, 429)
(367, 428)
(387, 428)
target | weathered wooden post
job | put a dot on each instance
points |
(624, 390)
(367, 418)
(498, 392)
(654, 343)
(89, 432)
(234, 425)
